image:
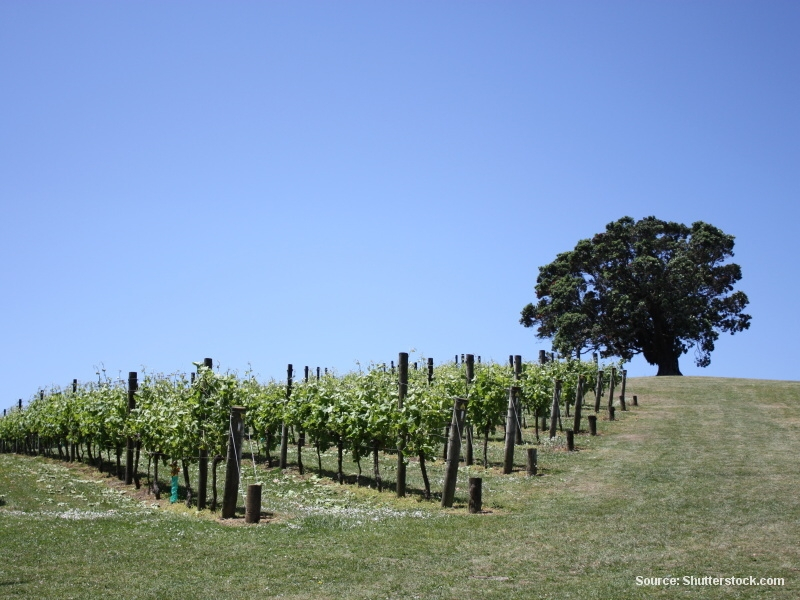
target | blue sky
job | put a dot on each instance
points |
(267, 183)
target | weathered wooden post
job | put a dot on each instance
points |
(598, 391)
(475, 493)
(635, 400)
(622, 403)
(542, 357)
(555, 409)
(570, 440)
(301, 437)
(592, 424)
(470, 375)
(611, 411)
(453, 452)
(518, 406)
(430, 370)
(611, 387)
(402, 390)
(252, 504)
(133, 385)
(532, 466)
(576, 424)
(202, 467)
(284, 428)
(73, 447)
(511, 429)
(622, 392)
(233, 461)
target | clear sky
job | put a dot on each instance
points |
(317, 183)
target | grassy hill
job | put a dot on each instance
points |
(701, 480)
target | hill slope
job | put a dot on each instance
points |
(700, 481)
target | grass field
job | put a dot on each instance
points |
(701, 480)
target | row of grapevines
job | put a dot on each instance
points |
(357, 412)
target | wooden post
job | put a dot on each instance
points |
(133, 385)
(402, 390)
(469, 361)
(518, 407)
(252, 504)
(555, 409)
(592, 424)
(611, 387)
(453, 452)
(622, 392)
(570, 440)
(598, 391)
(511, 429)
(611, 411)
(284, 428)
(542, 357)
(576, 424)
(475, 492)
(233, 462)
(622, 403)
(532, 466)
(202, 471)
(73, 446)
(301, 438)
(430, 370)
(636, 400)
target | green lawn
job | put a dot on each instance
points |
(701, 480)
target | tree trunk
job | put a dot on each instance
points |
(425, 480)
(668, 366)
(339, 451)
(376, 467)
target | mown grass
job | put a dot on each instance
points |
(700, 480)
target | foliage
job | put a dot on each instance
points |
(177, 418)
(650, 286)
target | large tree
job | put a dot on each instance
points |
(649, 286)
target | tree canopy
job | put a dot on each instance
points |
(652, 287)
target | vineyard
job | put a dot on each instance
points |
(402, 410)
(695, 482)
